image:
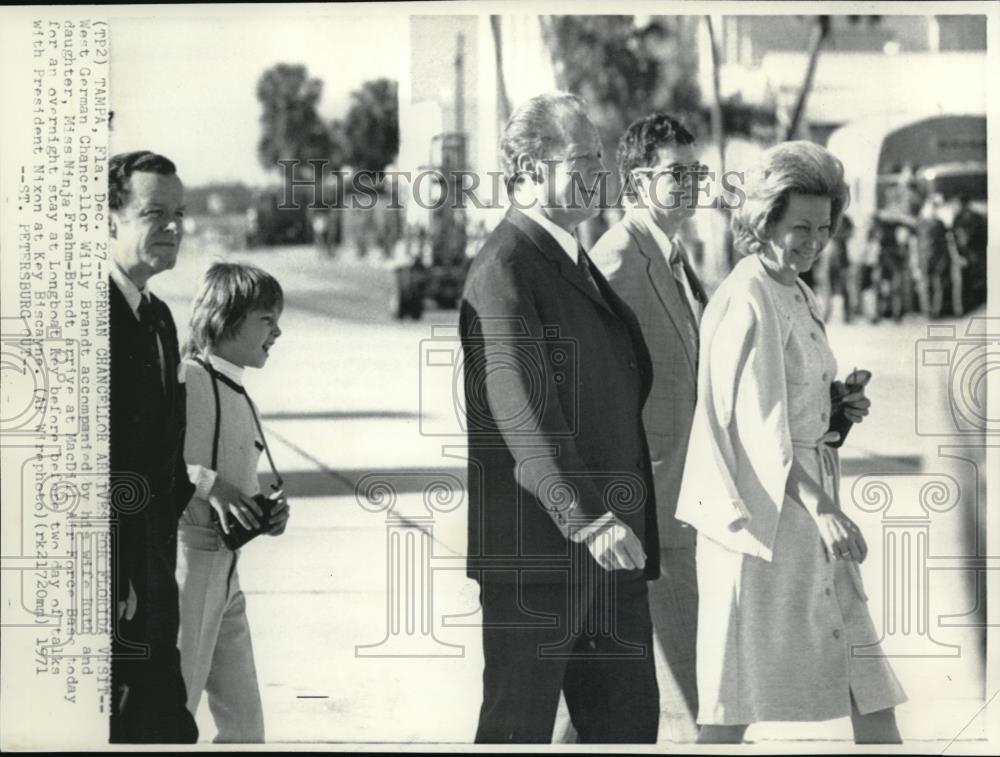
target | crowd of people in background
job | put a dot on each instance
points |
(923, 254)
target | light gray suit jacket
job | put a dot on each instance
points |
(637, 269)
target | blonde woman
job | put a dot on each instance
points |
(784, 631)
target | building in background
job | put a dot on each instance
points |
(865, 68)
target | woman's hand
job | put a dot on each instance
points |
(279, 515)
(226, 498)
(841, 536)
(852, 395)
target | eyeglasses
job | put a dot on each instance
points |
(679, 172)
(577, 158)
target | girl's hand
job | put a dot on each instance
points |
(279, 516)
(841, 537)
(226, 498)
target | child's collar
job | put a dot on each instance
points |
(227, 369)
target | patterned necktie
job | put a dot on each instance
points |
(678, 269)
(148, 320)
(676, 263)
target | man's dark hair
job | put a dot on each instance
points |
(638, 145)
(122, 166)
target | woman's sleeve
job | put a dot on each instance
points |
(747, 413)
(728, 351)
(198, 440)
(762, 431)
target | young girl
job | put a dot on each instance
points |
(234, 323)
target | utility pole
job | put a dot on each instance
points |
(460, 83)
(820, 32)
(718, 128)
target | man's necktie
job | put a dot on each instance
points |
(676, 264)
(148, 321)
(584, 265)
(677, 268)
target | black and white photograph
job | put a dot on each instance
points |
(466, 375)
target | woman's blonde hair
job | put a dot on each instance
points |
(228, 293)
(801, 167)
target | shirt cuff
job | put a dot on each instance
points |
(203, 479)
(740, 516)
(584, 533)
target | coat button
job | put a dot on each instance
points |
(836, 633)
(823, 417)
(812, 335)
(825, 377)
(827, 591)
(798, 298)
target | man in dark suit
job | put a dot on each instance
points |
(562, 518)
(150, 486)
(647, 265)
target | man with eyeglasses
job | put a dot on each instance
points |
(562, 521)
(647, 265)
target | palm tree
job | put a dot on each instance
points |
(820, 32)
(718, 127)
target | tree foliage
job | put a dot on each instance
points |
(626, 67)
(371, 128)
(291, 126)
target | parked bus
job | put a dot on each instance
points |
(893, 164)
(940, 154)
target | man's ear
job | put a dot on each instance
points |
(527, 166)
(113, 225)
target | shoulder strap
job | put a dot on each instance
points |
(218, 417)
(218, 411)
(267, 450)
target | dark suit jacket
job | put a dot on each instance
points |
(150, 486)
(555, 380)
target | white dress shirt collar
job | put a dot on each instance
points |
(562, 237)
(670, 248)
(132, 294)
(674, 253)
(229, 370)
